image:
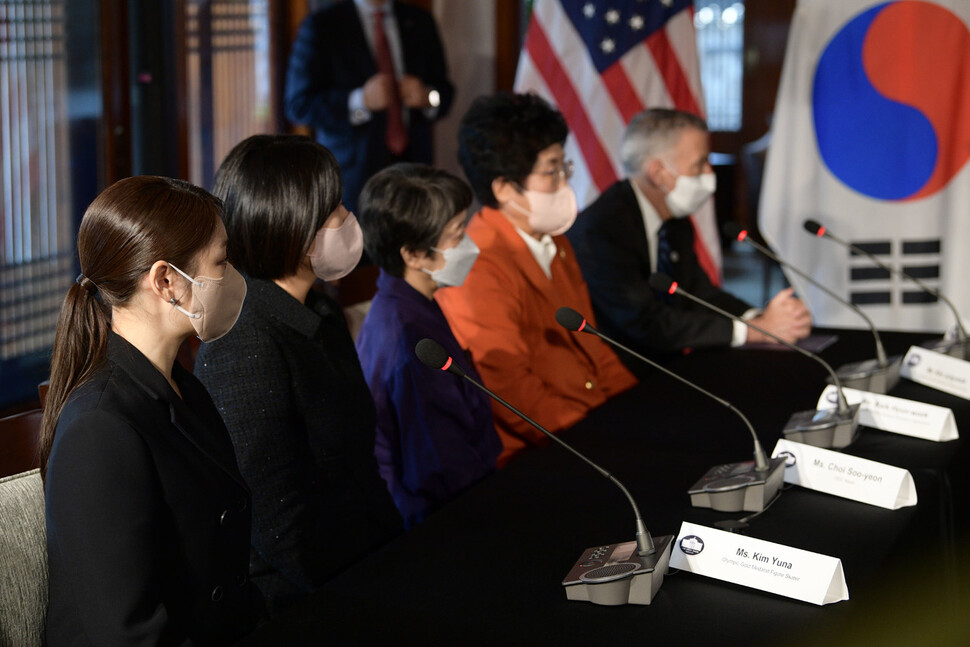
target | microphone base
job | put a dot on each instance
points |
(825, 428)
(738, 486)
(867, 375)
(952, 347)
(614, 574)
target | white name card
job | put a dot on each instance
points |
(849, 477)
(897, 415)
(937, 371)
(759, 564)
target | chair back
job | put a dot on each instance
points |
(42, 390)
(753, 155)
(20, 442)
(23, 560)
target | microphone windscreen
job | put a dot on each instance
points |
(732, 229)
(812, 227)
(661, 282)
(431, 353)
(569, 319)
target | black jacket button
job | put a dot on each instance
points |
(224, 518)
(217, 594)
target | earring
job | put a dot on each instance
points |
(172, 301)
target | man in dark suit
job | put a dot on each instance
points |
(370, 77)
(640, 226)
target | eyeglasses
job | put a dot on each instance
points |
(559, 174)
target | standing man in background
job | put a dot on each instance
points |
(370, 77)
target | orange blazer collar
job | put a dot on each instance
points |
(508, 237)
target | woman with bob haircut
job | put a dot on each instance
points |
(435, 435)
(287, 379)
(148, 518)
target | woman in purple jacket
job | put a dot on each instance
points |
(435, 435)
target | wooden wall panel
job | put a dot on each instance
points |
(229, 78)
(508, 28)
(116, 93)
(36, 223)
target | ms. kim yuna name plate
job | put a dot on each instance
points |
(775, 568)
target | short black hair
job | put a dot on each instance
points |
(501, 136)
(278, 191)
(408, 205)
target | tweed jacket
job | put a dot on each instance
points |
(288, 383)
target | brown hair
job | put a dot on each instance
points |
(129, 226)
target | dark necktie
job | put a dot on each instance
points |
(664, 264)
(396, 136)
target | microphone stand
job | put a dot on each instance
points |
(960, 347)
(605, 575)
(876, 376)
(748, 486)
(828, 428)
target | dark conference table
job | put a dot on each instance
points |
(487, 568)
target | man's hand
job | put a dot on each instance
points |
(414, 93)
(785, 316)
(377, 92)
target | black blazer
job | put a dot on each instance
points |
(147, 515)
(331, 57)
(289, 385)
(611, 244)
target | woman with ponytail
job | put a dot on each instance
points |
(148, 519)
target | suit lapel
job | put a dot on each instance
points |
(630, 208)
(406, 32)
(201, 437)
(545, 287)
(354, 42)
(188, 423)
(521, 255)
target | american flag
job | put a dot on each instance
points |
(601, 63)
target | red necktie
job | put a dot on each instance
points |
(397, 135)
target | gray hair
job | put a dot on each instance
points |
(653, 132)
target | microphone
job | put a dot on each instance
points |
(835, 428)
(877, 377)
(433, 355)
(960, 348)
(724, 487)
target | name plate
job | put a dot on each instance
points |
(849, 477)
(897, 415)
(763, 565)
(937, 371)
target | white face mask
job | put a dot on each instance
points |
(689, 193)
(551, 213)
(336, 251)
(216, 302)
(458, 263)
